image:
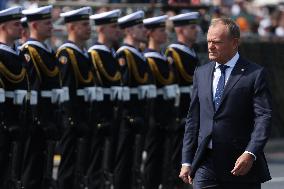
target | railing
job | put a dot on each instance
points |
(96, 4)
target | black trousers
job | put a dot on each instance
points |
(154, 163)
(205, 177)
(74, 149)
(67, 148)
(34, 160)
(123, 175)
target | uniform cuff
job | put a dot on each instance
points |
(251, 154)
(186, 164)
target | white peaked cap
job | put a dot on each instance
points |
(12, 13)
(155, 22)
(77, 14)
(131, 19)
(106, 17)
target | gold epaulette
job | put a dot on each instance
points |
(77, 73)
(161, 79)
(98, 64)
(132, 67)
(179, 65)
(13, 78)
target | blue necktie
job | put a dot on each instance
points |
(220, 86)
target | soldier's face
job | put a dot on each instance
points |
(159, 35)
(190, 32)
(83, 29)
(13, 29)
(44, 28)
(112, 32)
(25, 33)
(139, 33)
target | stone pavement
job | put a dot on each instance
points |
(274, 151)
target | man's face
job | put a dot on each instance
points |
(190, 32)
(44, 28)
(112, 32)
(139, 33)
(25, 34)
(221, 47)
(82, 29)
(159, 35)
(13, 29)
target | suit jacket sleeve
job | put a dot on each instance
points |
(190, 139)
(262, 113)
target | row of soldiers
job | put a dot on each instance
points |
(116, 118)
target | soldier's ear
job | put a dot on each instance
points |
(181, 30)
(2, 26)
(148, 33)
(72, 26)
(100, 28)
(33, 25)
(128, 30)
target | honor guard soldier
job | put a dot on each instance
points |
(109, 79)
(137, 77)
(14, 99)
(158, 168)
(25, 33)
(44, 72)
(77, 75)
(184, 60)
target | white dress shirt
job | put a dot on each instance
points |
(217, 73)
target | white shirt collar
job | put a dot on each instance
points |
(231, 63)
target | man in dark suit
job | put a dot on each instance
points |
(229, 117)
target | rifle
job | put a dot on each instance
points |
(52, 135)
(168, 176)
(136, 123)
(81, 179)
(109, 146)
(167, 170)
(48, 182)
(15, 155)
(108, 182)
(14, 180)
(137, 181)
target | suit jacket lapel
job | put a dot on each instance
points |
(235, 76)
(209, 84)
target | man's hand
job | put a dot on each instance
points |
(184, 174)
(243, 164)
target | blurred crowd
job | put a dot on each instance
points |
(256, 18)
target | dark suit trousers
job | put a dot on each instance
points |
(205, 177)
